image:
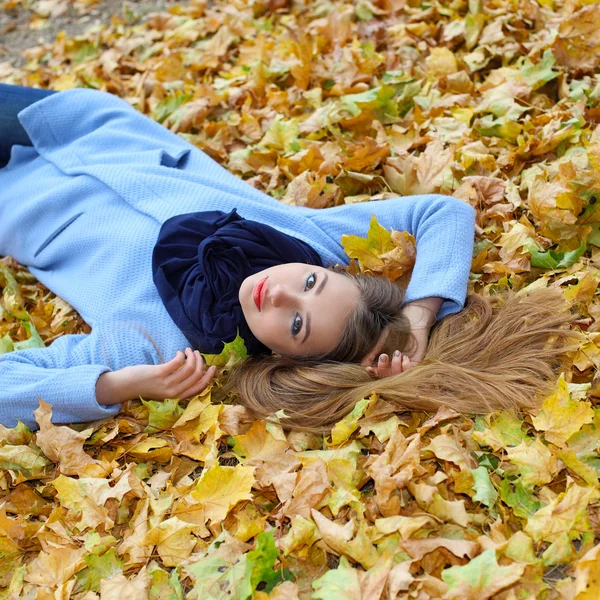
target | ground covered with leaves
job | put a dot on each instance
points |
(318, 103)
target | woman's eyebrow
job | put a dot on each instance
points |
(317, 292)
(307, 328)
(322, 284)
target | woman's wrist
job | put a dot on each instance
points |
(422, 313)
(111, 389)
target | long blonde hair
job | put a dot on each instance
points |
(502, 351)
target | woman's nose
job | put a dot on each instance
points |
(280, 295)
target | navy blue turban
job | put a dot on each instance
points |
(199, 263)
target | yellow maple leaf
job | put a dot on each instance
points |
(536, 463)
(567, 513)
(382, 252)
(560, 416)
(173, 540)
(219, 489)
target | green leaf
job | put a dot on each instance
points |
(23, 459)
(169, 105)
(98, 568)
(165, 587)
(503, 127)
(215, 578)
(362, 11)
(34, 340)
(337, 583)
(503, 431)
(486, 492)
(86, 50)
(396, 77)
(594, 236)
(380, 99)
(162, 414)
(261, 563)
(540, 73)
(482, 574)
(282, 135)
(233, 354)
(13, 301)
(522, 501)
(560, 551)
(6, 344)
(556, 260)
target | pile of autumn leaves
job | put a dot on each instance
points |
(319, 103)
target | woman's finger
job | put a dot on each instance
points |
(200, 368)
(200, 385)
(397, 364)
(187, 369)
(172, 366)
(383, 365)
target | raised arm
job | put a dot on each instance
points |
(443, 227)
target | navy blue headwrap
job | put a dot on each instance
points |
(199, 263)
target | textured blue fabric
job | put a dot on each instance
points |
(83, 208)
(199, 263)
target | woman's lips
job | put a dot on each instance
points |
(259, 292)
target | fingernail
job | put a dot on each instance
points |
(396, 353)
(383, 358)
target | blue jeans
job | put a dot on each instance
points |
(13, 99)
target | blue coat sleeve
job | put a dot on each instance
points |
(443, 227)
(65, 374)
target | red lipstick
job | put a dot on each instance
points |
(259, 292)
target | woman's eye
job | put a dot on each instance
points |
(296, 325)
(311, 281)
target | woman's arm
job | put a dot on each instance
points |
(66, 375)
(57, 374)
(443, 227)
(182, 377)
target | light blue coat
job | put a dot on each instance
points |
(83, 208)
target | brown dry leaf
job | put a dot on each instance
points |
(311, 486)
(393, 469)
(417, 549)
(120, 587)
(55, 567)
(577, 45)
(347, 539)
(62, 444)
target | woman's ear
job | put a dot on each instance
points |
(368, 360)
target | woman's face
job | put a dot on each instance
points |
(297, 309)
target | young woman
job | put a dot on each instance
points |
(164, 254)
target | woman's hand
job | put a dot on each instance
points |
(421, 316)
(182, 377)
(385, 367)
